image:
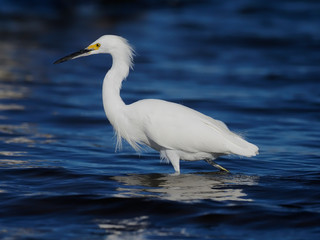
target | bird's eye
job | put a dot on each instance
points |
(98, 45)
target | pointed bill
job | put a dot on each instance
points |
(81, 53)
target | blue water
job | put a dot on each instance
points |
(252, 64)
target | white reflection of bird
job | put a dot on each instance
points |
(176, 131)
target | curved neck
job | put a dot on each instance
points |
(112, 102)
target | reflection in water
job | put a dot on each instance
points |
(17, 131)
(23, 133)
(132, 228)
(186, 187)
(7, 107)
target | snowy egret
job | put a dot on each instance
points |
(176, 131)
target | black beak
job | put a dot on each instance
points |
(73, 55)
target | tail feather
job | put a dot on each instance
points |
(234, 143)
(243, 148)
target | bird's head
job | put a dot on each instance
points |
(112, 44)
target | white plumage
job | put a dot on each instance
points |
(176, 131)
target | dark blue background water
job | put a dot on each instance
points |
(251, 64)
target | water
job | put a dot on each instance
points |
(252, 65)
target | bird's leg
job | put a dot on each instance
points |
(211, 162)
(174, 159)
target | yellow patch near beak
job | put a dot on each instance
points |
(94, 46)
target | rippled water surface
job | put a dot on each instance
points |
(252, 65)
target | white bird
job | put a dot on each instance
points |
(176, 131)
